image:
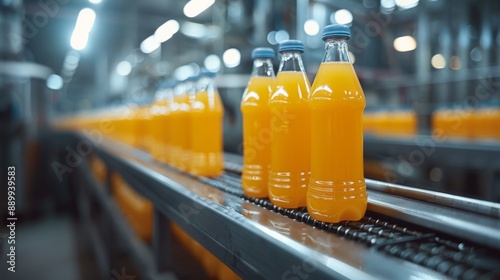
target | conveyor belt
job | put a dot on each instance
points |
(429, 249)
(444, 245)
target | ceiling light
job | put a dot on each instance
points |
(194, 30)
(79, 40)
(124, 68)
(438, 61)
(231, 58)
(311, 27)
(196, 7)
(85, 20)
(212, 63)
(405, 44)
(343, 16)
(54, 82)
(149, 44)
(84, 23)
(166, 30)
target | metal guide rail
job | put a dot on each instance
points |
(453, 152)
(406, 233)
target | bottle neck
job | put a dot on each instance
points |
(190, 88)
(336, 50)
(180, 90)
(291, 61)
(206, 84)
(263, 67)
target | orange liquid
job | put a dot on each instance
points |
(290, 152)
(337, 190)
(206, 135)
(154, 131)
(180, 132)
(162, 131)
(136, 209)
(226, 273)
(256, 136)
(493, 127)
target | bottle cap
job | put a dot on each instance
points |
(291, 45)
(336, 30)
(262, 53)
(168, 83)
(206, 73)
(193, 78)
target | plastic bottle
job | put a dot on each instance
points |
(206, 128)
(291, 128)
(180, 125)
(257, 124)
(337, 189)
(160, 125)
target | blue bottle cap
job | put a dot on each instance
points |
(168, 83)
(193, 78)
(291, 45)
(336, 30)
(206, 73)
(262, 53)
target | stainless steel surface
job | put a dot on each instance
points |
(452, 152)
(463, 203)
(238, 230)
(467, 218)
(470, 226)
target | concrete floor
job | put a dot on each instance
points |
(50, 249)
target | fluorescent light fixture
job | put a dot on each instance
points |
(212, 63)
(343, 16)
(194, 30)
(196, 7)
(406, 4)
(84, 23)
(438, 61)
(311, 27)
(123, 68)
(166, 30)
(85, 20)
(149, 44)
(95, 1)
(54, 82)
(405, 44)
(79, 40)
(231, 58)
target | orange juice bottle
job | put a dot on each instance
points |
(161, 126)
(154, 112)
(495, 120)
(206, 128)
(181, 125)
(337, 189)
(291, 128)
(257, 124)
(226, 273)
